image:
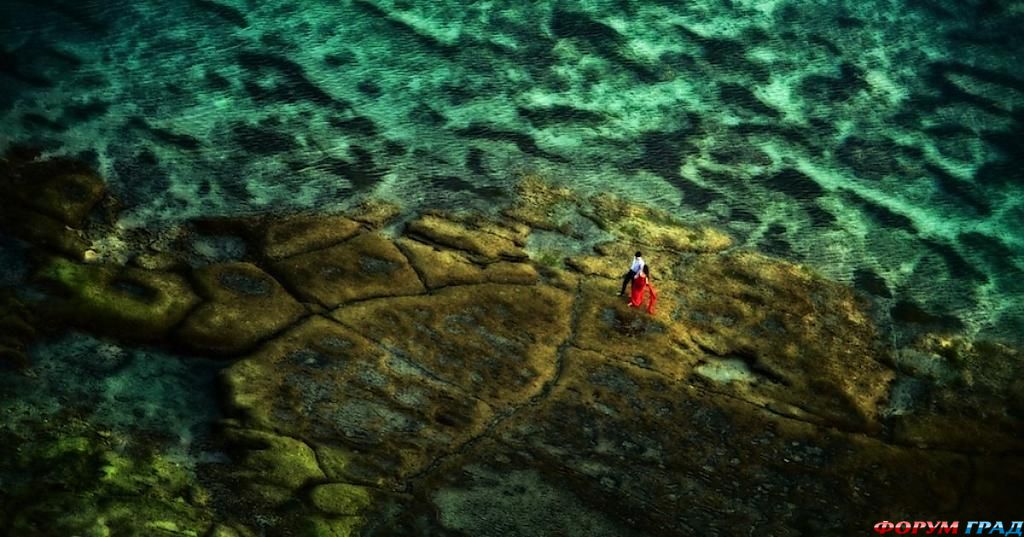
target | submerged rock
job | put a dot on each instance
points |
(489, 243)
(642, 225)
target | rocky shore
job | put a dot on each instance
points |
(450, 373)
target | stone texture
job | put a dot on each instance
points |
(243, 306)
(62, 189)
(376, 213)
(642, 225)
(372, 416)
(366, 266)
(297, 234)
(123, 302)
(489, 243)
(496, 342)
(539, 204)
(440, 267)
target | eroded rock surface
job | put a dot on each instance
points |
(441, 382)
(366, 266)
(244, 306)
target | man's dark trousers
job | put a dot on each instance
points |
(626, 281)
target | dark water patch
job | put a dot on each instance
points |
(824, 43)
(77, 13)
(965, 192)
(793, 183)
(360, 125)
(794, 135)
(870, 159)
(427, 41)
(369, 88)
(738, 153)
(14, 67)
(909, 312)
(38, 121)
(1000, 173)
(394, 149)
(980, 39)
(879, 214)
(820, 217)
(559, 115)
(262, 140)
(475, 161)
(216, 81)
(427, 115)
(340, 59)
(698, 196)
(959, 267)
(774, 241)
(870, 282)
(566, 24)
(739, 214)
(293, 84)
(164, 136)
(849, 22)
(143, 176)
(85, 111)
(361, 172)
(523, 141)
(223, 12)
(997, 254)
(931, 8)
(833, 89)
(277, 42)
(729, 55)
(948, 92)
(745, 99)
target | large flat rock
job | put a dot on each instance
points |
(244, 305)
(498, 343)
(366, 266)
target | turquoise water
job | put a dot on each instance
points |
(879, 142)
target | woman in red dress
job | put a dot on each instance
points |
(641, 283)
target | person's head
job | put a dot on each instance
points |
(647, 271)
(638, 254)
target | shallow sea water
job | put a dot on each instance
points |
(872, 140)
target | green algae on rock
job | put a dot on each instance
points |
(371, 415)
(124, 302)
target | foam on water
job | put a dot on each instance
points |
(854, 136)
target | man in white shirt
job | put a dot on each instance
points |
(634, 270)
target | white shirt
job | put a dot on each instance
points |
(638, 265)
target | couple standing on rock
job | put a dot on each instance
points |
(639, 276)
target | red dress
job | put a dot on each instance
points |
(636, 295)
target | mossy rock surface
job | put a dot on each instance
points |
(123, 302)
(297, 234)
(366, 266)
(341, 498)
(498, 343)
(441, 267)
(488, 242)
(272, 467)
(327, 383)
(643, 225)
(625, 440)
(243, 306)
